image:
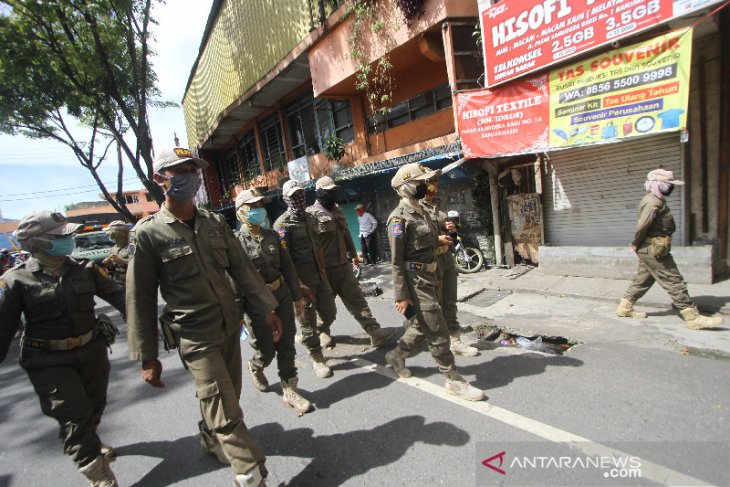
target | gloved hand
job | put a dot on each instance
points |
(273, 322)
(152, 372)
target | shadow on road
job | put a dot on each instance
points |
(182, 459)
(500, 371)
(337, 458)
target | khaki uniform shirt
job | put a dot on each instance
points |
(297, 236)
(413, 238)
(195, 270)
(655, 220)
(333, 235)
(55, 307)
(270, 258)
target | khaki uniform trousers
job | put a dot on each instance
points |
(429, 323)
(216, 369)
(344, 284)
(262, 341)
(324, 305)
(71, 386)
(664, 271)
(448, 283)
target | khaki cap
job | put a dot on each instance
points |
(290, 187)
(411, 172)
(664, 176)
(44, 223)
(117, 225)
(175, 156)
(325, 182)
(247, 197)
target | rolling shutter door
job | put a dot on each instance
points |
(591, 194)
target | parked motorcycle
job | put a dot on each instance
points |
(468, 259)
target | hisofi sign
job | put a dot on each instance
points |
(523, 36)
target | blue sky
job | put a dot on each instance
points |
(44, 175)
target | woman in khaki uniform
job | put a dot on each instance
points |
(276, 268)
(652, 244)
(62, 349)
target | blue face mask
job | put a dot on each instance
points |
(61, 246)
(256, 216)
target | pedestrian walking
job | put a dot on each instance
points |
(414, 238)
(64, 348)
(339, 256)
(276, 268)
(368, 224)
(652, 244)
(118, 259)
(191, 256)
(447, 274)
(296, 231)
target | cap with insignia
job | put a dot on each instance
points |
(44, 223)
(175, 156)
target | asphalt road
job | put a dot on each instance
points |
(608, 397)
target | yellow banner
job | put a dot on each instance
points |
(637, 90)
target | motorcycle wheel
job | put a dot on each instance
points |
(469, 260)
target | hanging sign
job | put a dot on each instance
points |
(637, 90)
(523, 36)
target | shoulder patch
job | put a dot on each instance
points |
(132, 246)
(3, 286)
(396, 227)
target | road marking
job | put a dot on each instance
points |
(649, 470)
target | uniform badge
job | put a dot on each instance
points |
(2, 288)
(397, 228)
(132, 246)
(281, 231)
(272, 248)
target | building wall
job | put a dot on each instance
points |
(247, 39)
(706, 62)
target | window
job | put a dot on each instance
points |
(302, 124)
(311, 121)
(272, 143)
(468, 61)
(131, 198)
(232, 175)
(412, 109)
(249, 156)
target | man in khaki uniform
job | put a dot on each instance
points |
(652, 245)
(296, 231)
(447, 274)
(192, 256)
(338, 248)
(118, 258)
(62, 350)
(276, 268)
(414, 238)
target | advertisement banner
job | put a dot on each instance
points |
(637, 90)
(522, 36)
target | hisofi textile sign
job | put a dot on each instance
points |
(637, 90)
(522, 36)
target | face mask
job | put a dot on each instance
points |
(255, 216)
(328, 197)
(668, 191)
(420, 191)
(183, 187)
(61, 246)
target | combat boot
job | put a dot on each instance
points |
(326, 340)
(258, 378)
(251, 479)
(319, 364)
(210, 444)
(626, 310)
(458, 386)
(98, 473)
(396, 358)
(380, 336)
(695, 321)
(292, 398)
(460, 348)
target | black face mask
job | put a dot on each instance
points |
(669, 191)
(421, 190)
(328, 197)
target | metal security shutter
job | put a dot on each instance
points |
(591, 195)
